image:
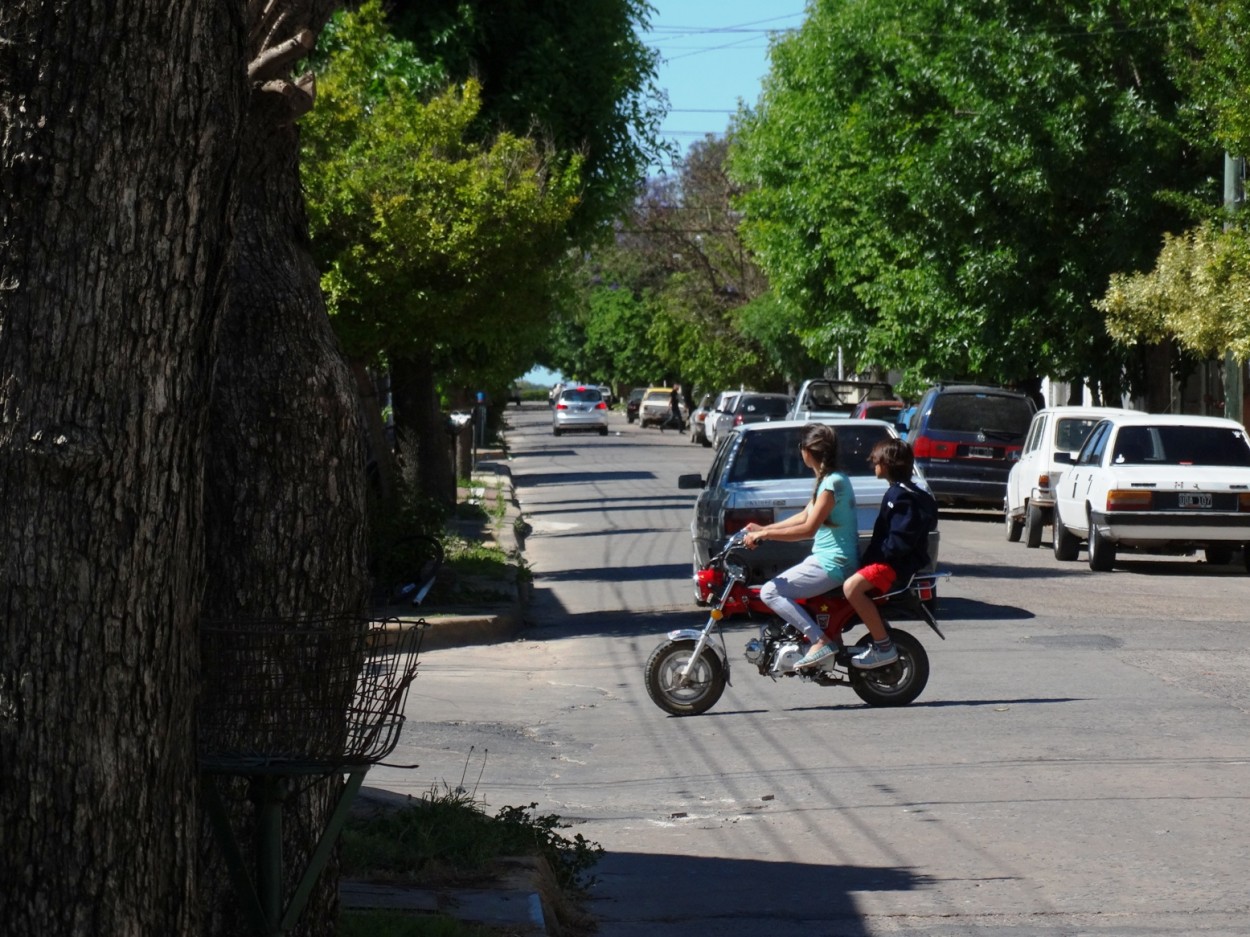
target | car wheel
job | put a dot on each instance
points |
(555, 431)
(603, 431)
(1014, 526)
(1066, 543)
(1219, 554)
(1101, 551)
(1033, 524)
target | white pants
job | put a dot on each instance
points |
(801, 581)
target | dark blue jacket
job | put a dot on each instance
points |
(900, 537)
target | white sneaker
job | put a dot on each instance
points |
(873, 658)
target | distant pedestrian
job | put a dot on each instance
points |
(675, 419)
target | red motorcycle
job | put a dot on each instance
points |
(687, 673)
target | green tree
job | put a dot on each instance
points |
(436, 249)
(576, 75)
(1195, 292)
(680, 259)
(945, 190)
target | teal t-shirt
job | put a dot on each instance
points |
(836, 544)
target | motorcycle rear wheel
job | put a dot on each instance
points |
(898, 684)
(703, 687)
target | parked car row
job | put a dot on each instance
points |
(1156, 483)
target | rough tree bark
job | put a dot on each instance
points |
(419, 421)
(285, 505)
(118, 127)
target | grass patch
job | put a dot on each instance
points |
(448, 839)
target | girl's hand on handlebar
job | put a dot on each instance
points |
(753, 538)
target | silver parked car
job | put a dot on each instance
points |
(579, 408)
(758, 475)
(749, 407)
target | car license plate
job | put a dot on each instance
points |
(1199, 500)
(980, 452)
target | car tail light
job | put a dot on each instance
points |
(1120, 499)
(562, 406)
(927, 448)
(1043, 481)
(601, 405)
(1243, 501)
(738, 420)
(736, 519)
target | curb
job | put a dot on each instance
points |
(488, 623)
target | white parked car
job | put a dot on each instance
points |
(1054, 436)
(720, 418)
(1162, 483)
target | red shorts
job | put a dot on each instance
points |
(880, 575)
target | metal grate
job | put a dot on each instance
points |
(303, 696)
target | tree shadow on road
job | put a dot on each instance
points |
(660, 895)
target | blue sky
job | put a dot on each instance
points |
(714, 53)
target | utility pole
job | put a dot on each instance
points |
(1234, 196)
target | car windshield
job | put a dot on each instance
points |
(844, 395)
(657, 395)
(1181, 445)
(991, 414)
(582, 394)
(774, 454)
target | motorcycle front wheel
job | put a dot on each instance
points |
(897, 684)
(703, 685)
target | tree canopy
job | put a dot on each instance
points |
(946, 189)
(678, 294)
(429, 240)
(1195, 293)
(576, 76)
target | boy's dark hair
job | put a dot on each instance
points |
(897, 458)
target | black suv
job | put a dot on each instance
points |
(966, 437)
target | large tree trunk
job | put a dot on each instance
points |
(285, 509)
(420, 426)
(118, 127)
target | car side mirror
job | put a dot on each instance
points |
(690, 481)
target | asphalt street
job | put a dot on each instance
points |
(1078, 765)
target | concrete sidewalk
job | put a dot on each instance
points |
(493, 619)
(525, 899)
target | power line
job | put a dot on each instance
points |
(741, 27)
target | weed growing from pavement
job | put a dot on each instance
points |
(446, 838)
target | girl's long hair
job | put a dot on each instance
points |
(822, 442)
